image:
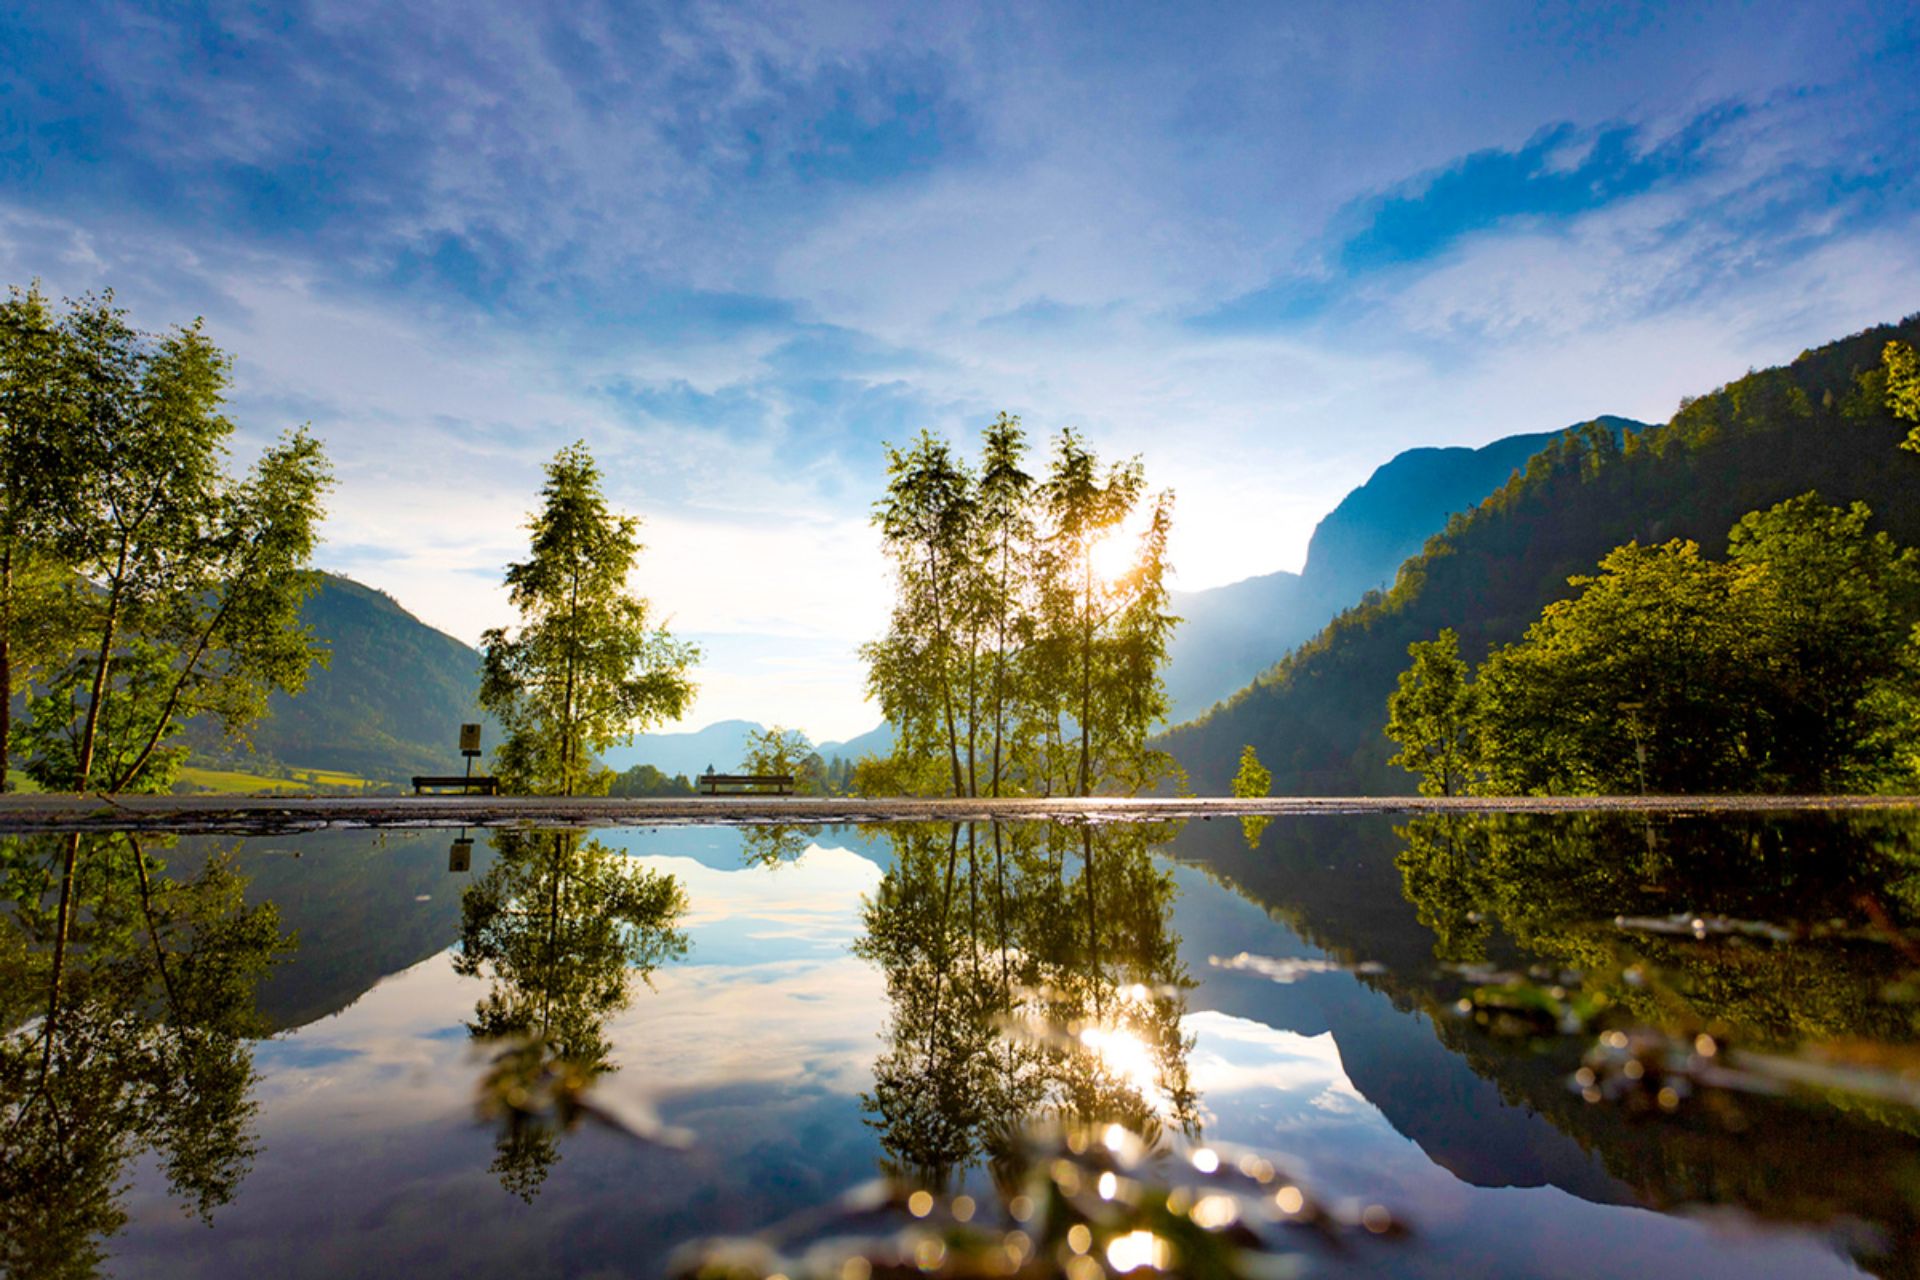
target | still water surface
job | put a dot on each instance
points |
(766, 1019)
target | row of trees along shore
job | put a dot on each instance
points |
(1029, 624)
(1793, 665)
(142, 584)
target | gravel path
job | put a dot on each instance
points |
(266, 815)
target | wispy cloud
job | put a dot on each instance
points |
(736, 247)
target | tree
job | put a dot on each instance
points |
(37, 413)
(1903, 388)
(1022, 654)
(585, 669)
(785, 752)
(1832, 610)
(190, 581)
(1431, 716)
(1252, 781)
(1793, 665)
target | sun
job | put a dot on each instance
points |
(1113, 556)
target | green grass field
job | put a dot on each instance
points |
(233, 782)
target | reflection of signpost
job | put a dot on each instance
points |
(460, 856)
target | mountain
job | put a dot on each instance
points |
(392, 698)
(722, 745)
(1315, 719)
(1231, 634)
(877, 741)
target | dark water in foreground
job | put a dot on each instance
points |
(1567, 1046)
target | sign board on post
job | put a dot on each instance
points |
(469, 739)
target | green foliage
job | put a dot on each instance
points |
(1785, 668)
(130, 996)
(122, 489)
(559, 927)
(645, 780)
(1016, 657)
(585, 669)
(141, 680)
(1431, 716)
(1903, 388)
(1253, 780)
(786, 752)
(1316, 717)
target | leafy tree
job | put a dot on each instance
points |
(1790, 666)
(1251, 782)
(37, 415)
(1431, 717)
(788, 753)
(1832, 613)
(646, 780)
(1015, 658)
(1903, 388)
(1254, 779)
(559, 927)
(585, 669)
(179, 558)
(1654, 653)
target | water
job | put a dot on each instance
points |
(577, 1054)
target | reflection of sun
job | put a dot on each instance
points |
(1112, 556)
(1125, 1055)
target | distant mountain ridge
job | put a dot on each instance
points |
(1316, 718)
(1231, 634)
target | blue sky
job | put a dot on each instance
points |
(736, 247)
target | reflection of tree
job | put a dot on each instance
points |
(1018, 990)
(129, 1003)
(560, 926)
(1557, 889)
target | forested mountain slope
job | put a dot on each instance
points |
(391, 700)
(1230, 634)
(1316, 718)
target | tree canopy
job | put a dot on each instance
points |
(144, 583)
(1789, 666)
(586, 667)
(1030, 621)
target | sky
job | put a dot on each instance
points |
(737, 248)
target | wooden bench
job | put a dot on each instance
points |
(466, 785)
(743, 783)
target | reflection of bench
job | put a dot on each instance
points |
(741, 783)
(454, 782)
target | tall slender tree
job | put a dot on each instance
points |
(1018, 658)
(586, 668)
(190, 581)
(37, 414)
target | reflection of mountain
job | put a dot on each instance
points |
(1338, 886)
(1459, 1118)
(363, 905)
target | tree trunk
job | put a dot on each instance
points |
(83, 770)
(6, 659)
